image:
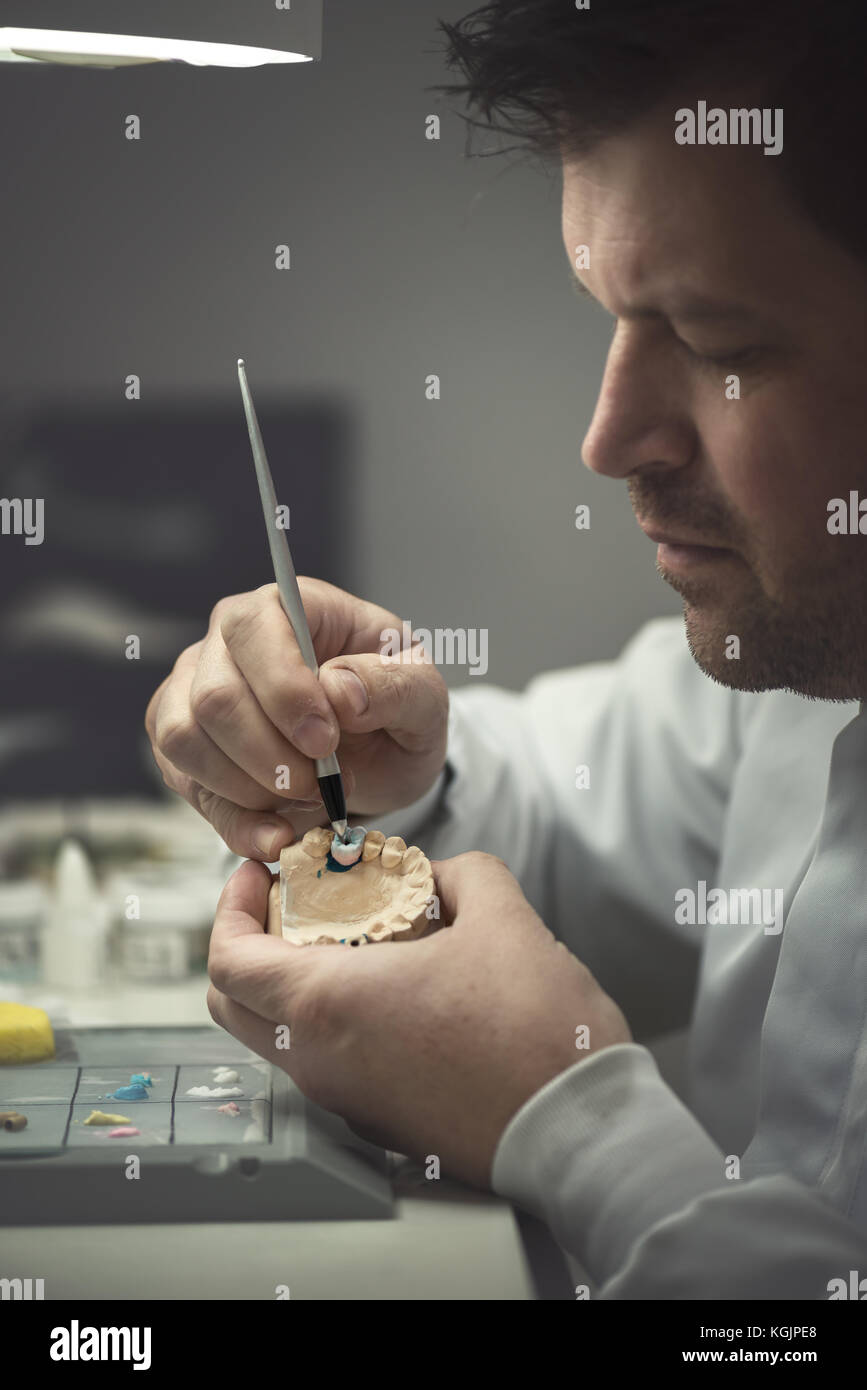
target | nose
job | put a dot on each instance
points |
(642, 416)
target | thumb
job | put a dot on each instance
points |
(407, 698)
(474, 885)
(262, 972)
(243, 903)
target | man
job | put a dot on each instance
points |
(713, 870)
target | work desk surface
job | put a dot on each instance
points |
(445, 1241)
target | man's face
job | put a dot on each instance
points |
(709, 272)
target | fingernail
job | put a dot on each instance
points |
(313, 736)
(265, 839)
(356, 693)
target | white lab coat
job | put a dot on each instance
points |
(689, 782)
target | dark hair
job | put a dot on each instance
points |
(557, 79)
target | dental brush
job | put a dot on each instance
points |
(327, 769)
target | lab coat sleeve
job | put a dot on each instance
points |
(630, 1183)
(600, 863)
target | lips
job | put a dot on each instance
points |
(682, 556)
(660, 537)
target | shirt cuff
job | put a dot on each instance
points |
(602, 1153)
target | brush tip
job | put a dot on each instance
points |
(240, 361)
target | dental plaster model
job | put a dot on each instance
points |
(373, 889)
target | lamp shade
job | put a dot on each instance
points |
(116, 33)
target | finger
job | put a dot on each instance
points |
(247, 833)
(378, 1135)
(342, 622)
(225, 707)
(188, 657)
(268, 1039)
(243, 903)
(269, 975)
(203, 693)
(260, 971)
(474, 884)
(257, 1033)
(186, 745)
(408, 699)
(263, 647)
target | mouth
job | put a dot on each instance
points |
(679, 553)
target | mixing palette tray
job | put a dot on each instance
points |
(243, 1147)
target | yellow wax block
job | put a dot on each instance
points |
(25, 1034)
(98, 1117)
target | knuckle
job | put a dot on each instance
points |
(495, 862)
(222, 606)
(206, 800)
(219, 972)
(229, 818)
(222, 816)
(174, 780)
(176, 737)
(479, 861)
(392, 685)
(240, 612)
(319, 598)
(150, 719)
(436, 680)
(296, 698)
(213, 1002)
(214, 702)
(309, 584)
(413, 680)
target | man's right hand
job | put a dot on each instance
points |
(241, 704)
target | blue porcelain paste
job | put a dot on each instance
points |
(336, 868)
(356, 837)
(135, 1092)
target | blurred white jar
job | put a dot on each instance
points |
(74, 939)
(22, 911)
(162, 917)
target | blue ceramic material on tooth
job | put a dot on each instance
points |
(332, 864)
(356, 836)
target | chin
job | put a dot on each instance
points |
(709, 653)
(774, 654)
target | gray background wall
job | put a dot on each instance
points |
(157, 257)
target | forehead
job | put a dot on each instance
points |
(703, 217)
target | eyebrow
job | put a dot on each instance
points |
(687, 308)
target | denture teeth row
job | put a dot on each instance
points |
(393, 851)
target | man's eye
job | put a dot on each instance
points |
(733, 357)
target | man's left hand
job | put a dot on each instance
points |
(426, 1047)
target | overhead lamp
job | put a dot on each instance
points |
(120, 33)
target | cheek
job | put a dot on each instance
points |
(768, 455)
